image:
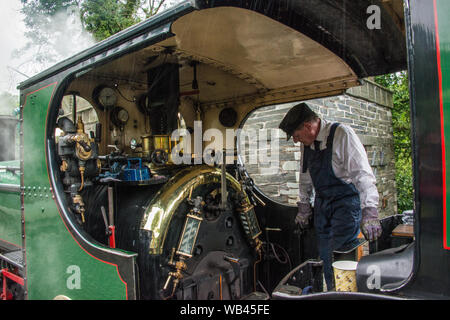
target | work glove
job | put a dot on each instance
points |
(304, 212)
(370, 225)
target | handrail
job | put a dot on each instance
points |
(9, 187)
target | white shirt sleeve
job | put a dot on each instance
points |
(350, 164)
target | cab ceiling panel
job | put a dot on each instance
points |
(341, 26)
(263, 51)
(265, 45)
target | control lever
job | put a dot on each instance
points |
(231, 259)
(110, 229)
(85, 146)
(105, 220)
(114, 147)
(235, 265)
(273, 229)
(249, 188)
(223, 181)
(257, 198)
(248, 184)
(98, 132)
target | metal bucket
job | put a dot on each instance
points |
(345, 275)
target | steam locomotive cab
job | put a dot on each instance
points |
(193, 226)
(142, 135)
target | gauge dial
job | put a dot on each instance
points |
(107, 97)
(119, 117)
(123, 116)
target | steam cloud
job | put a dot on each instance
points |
(20, 60)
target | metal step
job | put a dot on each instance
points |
(13, 257)
(256, 296)
(351, 247)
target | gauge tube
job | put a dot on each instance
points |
(189, 235)
(249, 223)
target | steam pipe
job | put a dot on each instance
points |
(223, 180)
(111, 205)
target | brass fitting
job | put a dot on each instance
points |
(180, 266)
(99, 166)
(82, 138)
(258, 244)
(82, 169)
(80, 125)
(79, 206)
(64, 166)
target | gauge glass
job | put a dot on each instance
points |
(123, 116)
(107, 97)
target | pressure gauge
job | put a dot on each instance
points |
(122, 116)
(119, 117)
(105, 97)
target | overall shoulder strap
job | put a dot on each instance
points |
(316, 145)
(306, 150)
(331, 134)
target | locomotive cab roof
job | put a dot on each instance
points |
(246, 53)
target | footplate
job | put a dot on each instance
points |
(351, 247)
(14, 257)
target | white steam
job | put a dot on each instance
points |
(66, 37)
(69, 35)
(11, 37)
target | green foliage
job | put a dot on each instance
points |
(103, 18)
(56, 29)
(401, 122)
(153, 7)
(404, 183)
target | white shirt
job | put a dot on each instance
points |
(349, 163)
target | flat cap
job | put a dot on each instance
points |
(295, 117)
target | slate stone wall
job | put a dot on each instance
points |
(367, 109)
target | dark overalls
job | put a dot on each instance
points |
(337, 208)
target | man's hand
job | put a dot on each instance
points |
(304, 212)
(370, 225)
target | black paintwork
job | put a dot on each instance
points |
(431, 277)
(219, 235)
